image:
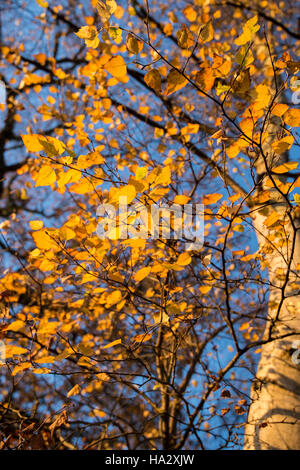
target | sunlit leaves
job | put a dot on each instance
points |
(112, 344)
(115, 33)
(133, 44)
(207, 32)
(32, 142)
(142, 273)
(292, 117)
(116, 67)
(283, 144)
(106, 9)
(211, 198)
(285, 167)
(74, 391)
(190, 13)
(86, 161)
(175, 81)
(46, 176)
(11, 351)
(36, 224)
(38, 143)
(90, 36)
(42, 3)
(205, 78)
(272, 219)
(244, 56)
(127, 192)
(249, 29)
(43, 240)
(184, 37)
(153, 80)
(279, 109)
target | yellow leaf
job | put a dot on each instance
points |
(11, 351)
(41, 58)
(142, 273)
(90, 36)
(249, 29)
(74, 391)
(211, 198)
(48, 327)
(133, 44)
(184, 259)
(285, 167)
(46, 176)
(116, 67)
(181, 199)
(207, 33)
(175, 81)
(273, 217)
(282, 145)
(190, 13)
(32, 142)
(246, 126)
(292, 117)
(36, 224)
(204, 289)
(205, 78)
(42, 3)
(279, 109)
(41, 370)
(185, 38)
(15, 326)
(85, 161)
(153, 80)
(42, 240)
(113, 343)
(106, 9)
(127, 192)
(242, 84)
(20, 368)
(113, 298)
(45, 360)
(142, 338)
(52, 146)
(163, 177)
(141, 172)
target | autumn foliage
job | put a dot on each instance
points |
(139, 343)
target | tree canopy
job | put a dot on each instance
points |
(131, 342)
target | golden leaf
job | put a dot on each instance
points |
(285, 167)
(212, 198)
(36, 224)
(142, 273)
(113, 343)
(46, 176)
(249, 29)
(116, 67)
(292, 117)
(207, 33)
(153, 80)
(175, 81)
(133, 44)
(283, 145)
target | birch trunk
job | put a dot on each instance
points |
(274, 414)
